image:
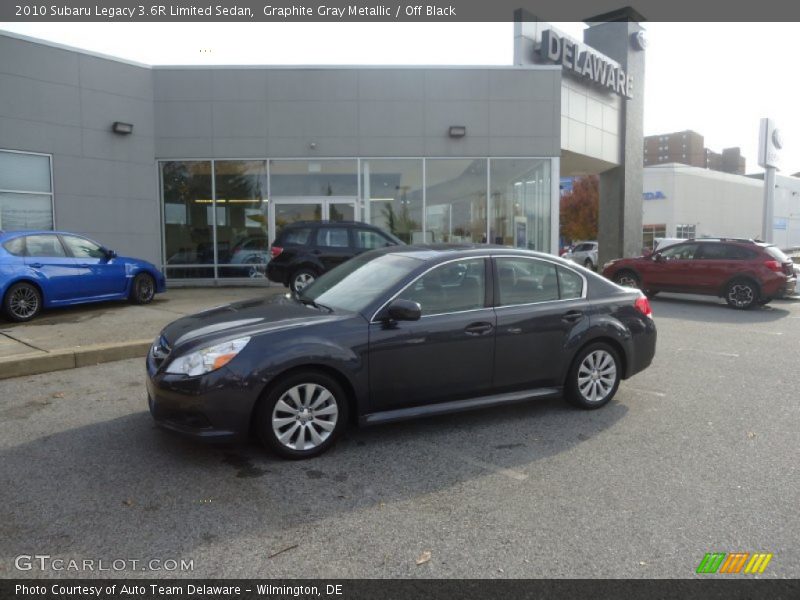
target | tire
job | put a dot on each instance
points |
(22, 302)
(588, 264)
(650, 293)
(143, 289)
(764, 301)
(627, 279)
(284, 415)
(594, 376)
(741, 294)
(302, 278)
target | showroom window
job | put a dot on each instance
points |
(520, 203)
(26, 193)
(455, 200)
(685, 232)
(393, 196)
(652, 232)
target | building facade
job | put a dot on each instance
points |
(686, 202)
(688, 148)
(197, 168)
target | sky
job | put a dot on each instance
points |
(718, 79)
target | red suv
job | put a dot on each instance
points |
(744, 272)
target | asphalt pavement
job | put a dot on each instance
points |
(697, 454)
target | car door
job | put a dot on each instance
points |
(672, 269)
(539, 305)
(59, 273)
(105, 276)
(333, 246)
(447, 354)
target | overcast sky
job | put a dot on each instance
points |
(717, 79)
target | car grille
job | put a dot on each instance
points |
(160, 351)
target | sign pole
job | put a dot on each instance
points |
(769, 205)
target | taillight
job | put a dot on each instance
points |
(773, 265)
(642, 304)
(275, 251)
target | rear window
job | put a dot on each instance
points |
(776, 253)
(333, 237)
(296, 235)
(43, 246)
(15, 247)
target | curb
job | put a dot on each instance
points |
(81, 356)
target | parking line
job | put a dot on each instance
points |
(716, 353)
(510, 473)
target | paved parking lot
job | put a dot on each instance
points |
(696, 454)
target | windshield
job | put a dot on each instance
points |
(360, 281)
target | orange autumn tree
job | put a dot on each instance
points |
(579, 209)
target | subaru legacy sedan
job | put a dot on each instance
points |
(399, 333)
(48, 269)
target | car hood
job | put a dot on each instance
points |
(247, 317)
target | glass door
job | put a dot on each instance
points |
(285, 210)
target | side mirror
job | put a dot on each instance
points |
(110, 253)
(658, 257)
(404, 310)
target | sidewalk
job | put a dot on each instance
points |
(95, 333)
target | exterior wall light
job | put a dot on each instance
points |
(122, 128)
(457, 131)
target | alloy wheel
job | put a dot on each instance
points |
(304, 416)
(741, 295)
(24, 302)
(145, 289)
(597, 376)
(303, 280)
(628, 280)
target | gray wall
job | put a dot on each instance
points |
(276, 112)
(63, 103)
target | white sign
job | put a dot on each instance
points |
(770, 144)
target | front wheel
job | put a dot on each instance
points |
(594, 376)
(144, 289)
(303, 415)
(22, 302)
(741, 294)
(588, 264)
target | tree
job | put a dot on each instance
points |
(579, 209)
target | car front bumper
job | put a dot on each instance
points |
(214, 407)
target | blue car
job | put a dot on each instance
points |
(47, 269)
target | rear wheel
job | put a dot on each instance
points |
(301, 279)
(741, 294)
(303, 415)
(627, 279)
(650, 293)
(22, 302)
(144, 289)
(594, 376)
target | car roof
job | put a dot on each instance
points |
(10, 234)
(444, 251)
(328, 222)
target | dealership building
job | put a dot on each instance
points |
(197, 168)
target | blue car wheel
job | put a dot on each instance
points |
(22, 302)
(144, 289)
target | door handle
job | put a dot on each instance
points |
(478, 328)
(572, 316)
(36, 265)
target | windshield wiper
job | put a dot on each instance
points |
(308, 301)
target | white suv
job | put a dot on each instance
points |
(584, 253)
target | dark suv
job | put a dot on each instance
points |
(744, 272)
(305, 250)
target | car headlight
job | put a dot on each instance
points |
(208, 359)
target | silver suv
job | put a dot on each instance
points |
(584, 253)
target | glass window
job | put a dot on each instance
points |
(366, 238)
(188, 224)
(296, 235)
(360, 281)
(241, 218)
(44, 245)
(685, 232)
(455, 200)
(520, 203)
(26, 200)
(452, 287)
(286, 213)
(651, 232)
(392, 191)
(332, 237)
(313, 178)
(15, 246)
(570, 284)
(83, 248)
(679, 252)
(525, 280)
